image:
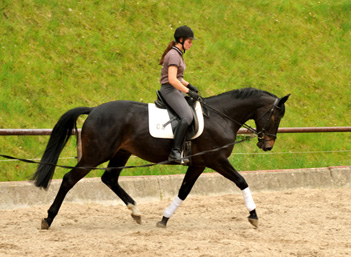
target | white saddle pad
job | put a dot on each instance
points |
(160, 127)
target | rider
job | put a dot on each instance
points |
(173, 86)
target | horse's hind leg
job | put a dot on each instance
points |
(69, 180)
(110, 178)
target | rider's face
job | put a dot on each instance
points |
(188, 43)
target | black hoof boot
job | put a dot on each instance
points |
(253, 219)
(162, 223)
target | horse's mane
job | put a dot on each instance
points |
(244, 93)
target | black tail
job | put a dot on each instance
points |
(58, 139)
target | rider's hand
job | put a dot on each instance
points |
(191, 87)
(193, 95)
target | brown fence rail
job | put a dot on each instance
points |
(26, 132)
(43, 132)
(40, 132)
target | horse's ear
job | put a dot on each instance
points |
(283, 100)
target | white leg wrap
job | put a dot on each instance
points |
(172, 208)
(250, 204)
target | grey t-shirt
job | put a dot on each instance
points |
(173, 58)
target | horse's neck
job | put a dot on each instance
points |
(240, 110)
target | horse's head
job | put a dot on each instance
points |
(267, 121)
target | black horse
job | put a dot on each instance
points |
(114, 131)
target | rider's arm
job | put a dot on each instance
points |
(185, 83)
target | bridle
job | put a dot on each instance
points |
(260, 134)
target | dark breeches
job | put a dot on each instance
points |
(177, 102)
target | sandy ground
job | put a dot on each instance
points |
(292, 223)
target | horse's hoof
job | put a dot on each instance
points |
(160, 224)
(44, 224)
(137, 218)
(135, 212)
(253, 222)
(253, 219)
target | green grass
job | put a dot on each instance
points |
(57, 55)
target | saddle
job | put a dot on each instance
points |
(174, 118)
(163, 120)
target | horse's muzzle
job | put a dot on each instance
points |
(266, 145)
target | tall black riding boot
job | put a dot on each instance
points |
(179, 138)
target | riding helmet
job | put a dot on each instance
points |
(183, 32)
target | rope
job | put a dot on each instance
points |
(71, 167)
(276, 153)
(122, 167)
(62, 158)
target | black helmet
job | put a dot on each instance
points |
(184, 32)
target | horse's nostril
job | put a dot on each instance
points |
(260, 145)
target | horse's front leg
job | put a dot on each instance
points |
(251, 206)
(226, 169)
(189, 180)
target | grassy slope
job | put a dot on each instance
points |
(56, 55)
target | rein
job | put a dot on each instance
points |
(260, 134)
(227, 117)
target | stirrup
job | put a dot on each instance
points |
(184, 161)
(180, 160)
